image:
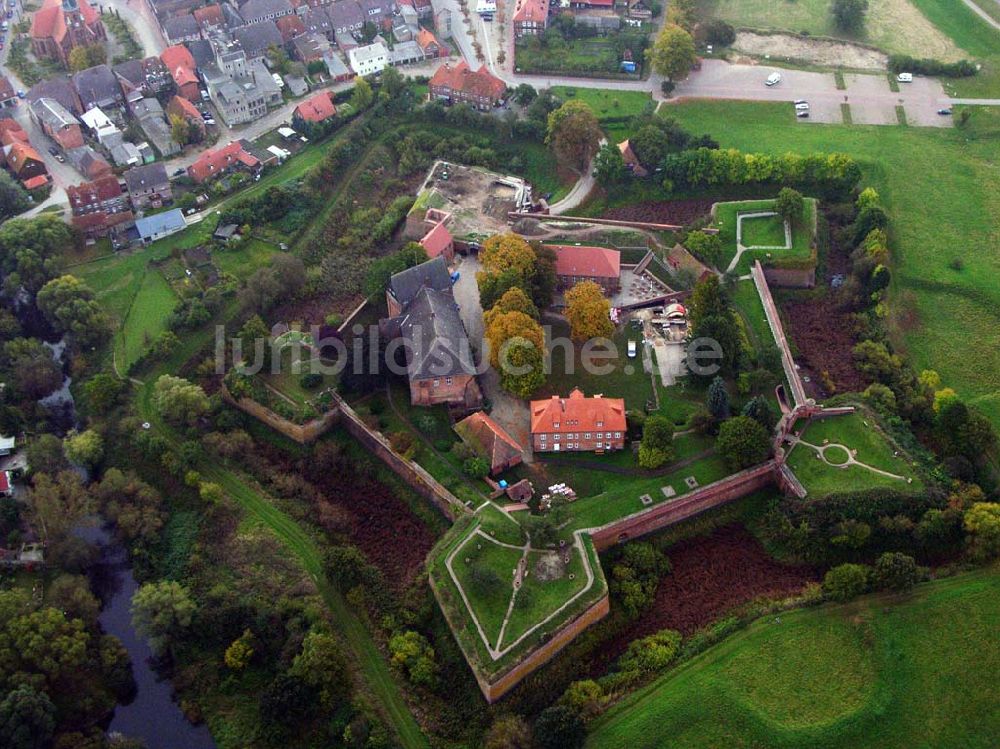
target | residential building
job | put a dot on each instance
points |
(6, 485)
(422, 8)
(578, 423)
(60, 88)
(336, 67)
(460, 84)
(232, 17)
(98, 87)
(317, 21)
(102, 128)
(257, 11)
(164, 9)
(346, 16)
(378, 12)
(406, 53)
(489, 440)
(258, 38)
(148, 112)
(60, 26)
(89, 163)
(7, 445)
(202, 52)
(126, 154)
(26, 164)
(99, 206)
(530, 17)
(315, 109)
(578, 263)
(160, 225)
(57, 123)
(430, 44)
(290, 27)
(440, 366)
(148, 76)
(442, 22)
(178, 106)
(8, 98)
(148, 186)
(181, 29)
(309, 47)
(346, 41)
(209, 18)
(181, 64)
(632, 162)
(438, 241)
(223, 160)
(369, 60)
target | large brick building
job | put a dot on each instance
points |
(530, 17)
(578, 423)
(98, 206)
(598, 264)
(62, 25)
(459, 84)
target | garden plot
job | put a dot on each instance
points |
(753, 221)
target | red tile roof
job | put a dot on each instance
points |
(12, 132)
(596, 262)
(4, 482)
(577, 413)
(98, 191)
(210, 15)
(181, 107)
(462, 78)
(50, 20)
(177, 56)
(490, 440)
(290, 27)
(436, 240)
(316, 108)
(37, 181)
(531, 10)
(20, 154)
(426, 38)
(214, 162)
(6, 90)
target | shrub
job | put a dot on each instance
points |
(476, 467)
(650, 654)
(896, 572)
(936, 68)
(846, 581)
(311, 380)
(559, 727)
(743, 442)
(719, 33)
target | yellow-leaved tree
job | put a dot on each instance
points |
(588, 312)
(507, 252)
(503, 326)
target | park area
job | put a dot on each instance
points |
(877, 672)
(750, 231)
(944, 295)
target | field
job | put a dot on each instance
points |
(858, 432)
(610, 105)
(943, 210)
(594, 55)
(877, 672)
(894, 26)
(974, 37)
(765, 232)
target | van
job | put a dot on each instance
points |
(905, 77)
(773, 80)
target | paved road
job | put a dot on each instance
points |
(982, 13)
(140, 19)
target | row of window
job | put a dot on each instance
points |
(447, 381)
(575, 422)
(586, 436)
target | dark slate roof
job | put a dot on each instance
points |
(145, 177)
(439, 345)
(256, 39)
(130, 71)
(345, 14)
(232, 16)
(263, 8)
(201, 51)
(405, 285)
(317, 20)
(97, 84)
(180, 27)
(61, 89)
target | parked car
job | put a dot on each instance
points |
(53, 150)
(773, 80)
(944, 111)
(800, 101)
(803, 107)
(60, 158)
(20, 93)
(631, 349)
(179, 172)
(905, 77)
(204, 95)
(802, 114)
(210, 121)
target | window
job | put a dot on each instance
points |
(555, 438)
(555, 424)
(586, 435)
(447, 380)
(618, 435)
(437, 382)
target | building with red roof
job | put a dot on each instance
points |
(181, 65)
(26, 164)
(316, 108)
(60, 26)
(530, 17)
(490, 441)
(290, 27)
(460, 84)
(429, 44)
(598, 264)
(98, 206)
(209, 17)
(578, 423)
(178, 106)
(6, 487)
(222, 160)
(438, 241)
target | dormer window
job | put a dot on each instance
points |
(555, 424)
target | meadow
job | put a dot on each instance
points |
(944, 206)
(881, 671)
(765, 232)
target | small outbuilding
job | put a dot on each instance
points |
(490, 441)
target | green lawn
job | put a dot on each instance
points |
(747, 302)
(286, 378)
(765, 232)
(610, 105)
(944, 208)
(499, 525)
(856, 431)
(588, 55)
(242, 258)
(878, 672)
(538, 598)
(490, 605)
(147, 317)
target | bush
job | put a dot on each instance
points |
(936, 68)
(560, 727)
(311, 381)
(719, 33)
(476, 467)
(846, 581)
(896, 572)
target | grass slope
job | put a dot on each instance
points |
(878, 672)
(945, 208)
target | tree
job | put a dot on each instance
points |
(362, 96)
(180, 129)
(718, 399)
(650, 654)
(982, 522)
(657, 442)
(70, 307)
(383, 269)
(240, 652)
(719, 33)
(132, 504)
(321, 665)
(849, 15)
(507, 252)
(84, 448)
(281, 281)
(27, 719)
(179, 401)
(706, 247)
(49, 643)
(410, 651)
(609, 166)
(896, 572)
(584, 696)
(513, 300)
(504, 329)
(31, 249)
(211, 493)
(673, 52)
(45, 455)
(574, 133)
(59, 503)
(34, 373)
(743, 442)
(13, 198)
(588, 312)
(845, 581)
(559, 727)
(78, 59)
(524, 94)
(759, 409)
(162, 611)
(789, 205)
(508, 732)
(525, 369)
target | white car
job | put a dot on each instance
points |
(802, 106)
(773, 80)
(905, 77)
(631, 349)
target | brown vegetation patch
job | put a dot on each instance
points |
(822, 332)
(313, 311)
(711, 575)
(680, 212)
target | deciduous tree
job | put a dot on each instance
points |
(982, 522)
(559, 727)
(849, 15)
(846, 581)
(84, 448)
(162, 611)
(179, 401)
(673, 53)
(743, 442)
(588, 312)
(789, 204)
(895, 571)
(574, 133)
(609, 166)
(70, 307)
(27, 719)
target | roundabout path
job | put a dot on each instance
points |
(851, 460)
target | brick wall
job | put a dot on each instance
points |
(301, 433)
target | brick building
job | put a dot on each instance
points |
(459, 84)
(530, 17)
(98, 206)
(578, 423)
(597, 264)
(60, 26)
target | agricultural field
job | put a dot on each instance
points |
(859, 433)
(765, 232)
(881, 671)
(943, 310)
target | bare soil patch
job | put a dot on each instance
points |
(815, 51)
(680, 212)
